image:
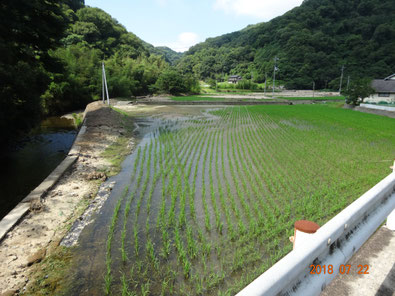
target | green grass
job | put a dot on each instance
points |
(118, 150)
(116, 153)
(77, 119)
(52, 274)
(196, 98)
(216, 197)
(328, 98)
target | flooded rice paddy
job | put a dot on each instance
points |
(207, 200)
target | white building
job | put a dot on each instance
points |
(385, 90)
(234, 78)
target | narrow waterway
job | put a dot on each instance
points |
(33, 158)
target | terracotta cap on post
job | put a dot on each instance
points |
(306, 226)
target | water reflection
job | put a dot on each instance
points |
(33, 159)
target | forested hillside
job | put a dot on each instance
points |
(170, 56)
(312, 42)
(50, 61)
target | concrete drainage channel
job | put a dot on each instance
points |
(37, 195)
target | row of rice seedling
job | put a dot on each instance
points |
(212, 200)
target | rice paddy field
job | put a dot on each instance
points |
(210, 199)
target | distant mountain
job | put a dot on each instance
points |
(312, 42)
(167, 53)
(170, 55)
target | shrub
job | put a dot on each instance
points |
(171, 81)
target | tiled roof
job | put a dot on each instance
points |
(381, 85)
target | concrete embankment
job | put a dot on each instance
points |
(232, 102)
(12, 218)
(373, 109)
(33, 230)
(379, 110)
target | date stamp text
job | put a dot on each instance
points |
(343, 269)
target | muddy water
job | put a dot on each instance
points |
(90, 254)
(33, 158)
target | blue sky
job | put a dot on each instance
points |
(180, 24)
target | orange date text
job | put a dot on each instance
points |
(343, 269)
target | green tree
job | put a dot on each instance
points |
(28, 29)
(313, 41)
(358, 90)
(75, 4)
(172, 82)
(76, 83)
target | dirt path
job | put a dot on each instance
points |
(43, 228)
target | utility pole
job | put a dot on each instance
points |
(341, 80)
(348, 81)
(104, 81)
(265, 81)
(313, 88)
(274, 72)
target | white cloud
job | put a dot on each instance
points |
(184, 41)
(263, 9)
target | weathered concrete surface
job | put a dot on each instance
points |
(379, 254)
(12, 218)
(23, 207)
(46, 223)
(50, 181)
(374, 111)
(378, 107)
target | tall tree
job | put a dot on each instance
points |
(28, 29)
(358, 91)
(75, 4)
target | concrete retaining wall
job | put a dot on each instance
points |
(377, 107)
(16, 215)
(367, 109)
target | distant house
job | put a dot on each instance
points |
(385, 90)
(234, 78)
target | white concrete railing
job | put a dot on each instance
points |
(332, 244)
